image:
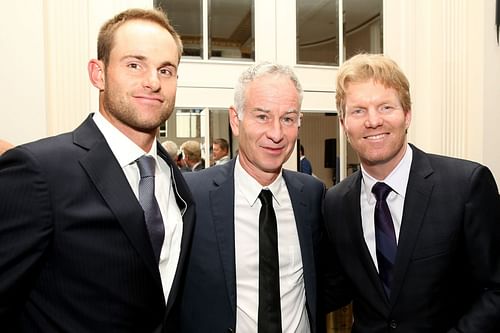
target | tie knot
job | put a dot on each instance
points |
(266, 197)
(381, 190)
(146, 166)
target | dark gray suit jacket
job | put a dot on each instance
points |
(209, 301)
(447, 271)
(75, 254)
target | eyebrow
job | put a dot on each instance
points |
(257, 109)
(143, 58)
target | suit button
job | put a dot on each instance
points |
(393, 324)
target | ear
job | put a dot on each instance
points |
(234, 121)
(96, 73)
(344, 127)
(407, 119)
(342, 123)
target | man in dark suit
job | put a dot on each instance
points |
(305, 165)
(425, 256)
(222, 292)
(191, 153)
(75, 252)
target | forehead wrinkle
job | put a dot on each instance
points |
(259, 109)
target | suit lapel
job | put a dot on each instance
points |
(222, 210)
(418, 193)
(301, 207)
(109, 179)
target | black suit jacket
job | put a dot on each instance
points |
(75, 254)
(209, 301)
(447, 270)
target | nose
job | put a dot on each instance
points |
(151, 81)
(373, 119)
(275, 130)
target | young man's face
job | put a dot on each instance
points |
(375, 124)
(140, 81)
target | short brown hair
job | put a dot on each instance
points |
(378, 67)
(223, 144)
(106, 34)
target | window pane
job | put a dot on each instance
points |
(317, 32)
(363, 27)
(231, 29)
(188, 123)
(185, 16)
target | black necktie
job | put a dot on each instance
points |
(269, 320)
(147, 199)
(385, 236)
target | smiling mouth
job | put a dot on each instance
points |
(376, 137)
(274, 149)
(150, 99)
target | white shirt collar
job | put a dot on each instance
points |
(250, 188)
(124, 149)
(397, 179)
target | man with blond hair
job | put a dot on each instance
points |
(413, 237)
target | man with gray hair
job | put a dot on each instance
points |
(253, 264)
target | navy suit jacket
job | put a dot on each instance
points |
(209, 301)
(75, 254)
(305, 166)
(447, 270)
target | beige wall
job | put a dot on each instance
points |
(448, 49)
(22, 82)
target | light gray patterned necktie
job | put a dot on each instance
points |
(147, 199)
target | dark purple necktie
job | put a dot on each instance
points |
(147, 199)
(269, 315)
(385, 236)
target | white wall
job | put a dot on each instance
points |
(22, 82)
(491, 91)
(448, 50)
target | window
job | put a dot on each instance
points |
(317, 32)
(189, 123)
(231, 29)
(362, 27)
(186, 17)
(318, 39)
(229, 26)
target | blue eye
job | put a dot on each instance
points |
(289, 120)
(167, 71)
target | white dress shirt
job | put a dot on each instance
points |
(398, 181)
(247, 206)
(223, 160)
(126, 153)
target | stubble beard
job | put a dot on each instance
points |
(128, 115)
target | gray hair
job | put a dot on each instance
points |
(171, 148)
(257, 70)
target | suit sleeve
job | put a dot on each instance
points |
(482, 233)
(25, 228)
